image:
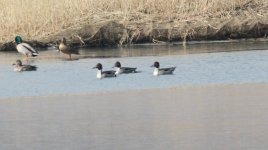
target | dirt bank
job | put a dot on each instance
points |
(116, 32)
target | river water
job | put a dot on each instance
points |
(197, 64)
(62, 106)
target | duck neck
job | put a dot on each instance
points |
(156, 71)
(99, 74)
(117, 70)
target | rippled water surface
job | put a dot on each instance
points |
(197, 64)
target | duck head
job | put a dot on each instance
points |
(98, 66)
(63, 40)
(156, 64)
(18, 63)
(117, 64)
(18, 39)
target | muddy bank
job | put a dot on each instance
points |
(118, 32)
(10, 46)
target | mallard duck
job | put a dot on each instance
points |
(66, 49)
(25, 48)
(103, 74)
(20, 67)
(162, 71)
(119, 69)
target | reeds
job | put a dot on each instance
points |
(39, 18)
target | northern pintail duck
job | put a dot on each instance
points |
(25, 48)
(20, 67)
(119, 69)
(103, 74)
(67, 49)
(162, 71)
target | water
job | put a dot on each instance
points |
(191, 119)
(199, 118)
(56, 75)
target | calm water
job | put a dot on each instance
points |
(229, 63)
(196, 119)
(202, 119)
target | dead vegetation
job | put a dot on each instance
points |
(137, 20)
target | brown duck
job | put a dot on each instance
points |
(67, 49)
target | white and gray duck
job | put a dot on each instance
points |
(104, 74)
(25, 48)
(162, 71)
(19, 67)
(120, 70)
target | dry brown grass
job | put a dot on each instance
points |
(38, 18)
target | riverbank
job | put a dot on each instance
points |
(236, 20)
(228, 116)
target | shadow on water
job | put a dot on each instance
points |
(146, 50)
(174, 49)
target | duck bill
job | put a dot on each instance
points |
(93, 68)
(152, 66)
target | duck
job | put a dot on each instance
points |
(162, 71)
(25, 48)
(121, 70)
(67, 49)
(20, 67)
(103, 74)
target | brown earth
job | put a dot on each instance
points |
(117, 32)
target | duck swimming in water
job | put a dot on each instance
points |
(67, 49)
(104, 74)
(162, 71)
(20, 67)
(120, 70)
(25, 48)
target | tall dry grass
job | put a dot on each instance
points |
(38, 18)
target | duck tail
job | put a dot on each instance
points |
(34, 68)
(35, 54)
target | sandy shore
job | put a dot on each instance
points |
(207, 117)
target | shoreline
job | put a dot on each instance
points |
(117, 24)
(116, 33)
(43, 46)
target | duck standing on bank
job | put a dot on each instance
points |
(162, 71)
(25, 48)
(120, 70)
(20, 67)
(104, 74)
(67, 49)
